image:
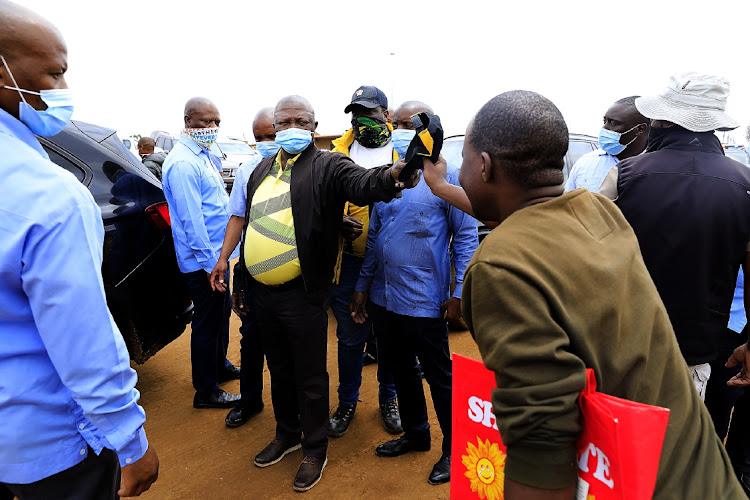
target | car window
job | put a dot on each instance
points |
(127, 143)
(66, 164)
(740, 156)
(235, 148)
(576, 149)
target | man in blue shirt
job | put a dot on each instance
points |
(623, 135)
(407, 272)
(198, 208)
(68, 403)
(251, 352)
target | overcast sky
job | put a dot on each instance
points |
(134, 64)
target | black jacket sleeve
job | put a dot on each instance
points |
(359, 185)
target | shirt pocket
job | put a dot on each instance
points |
(420, 218)
(416, 286)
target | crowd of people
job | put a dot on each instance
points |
(634, 267)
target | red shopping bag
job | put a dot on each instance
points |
(618, 450)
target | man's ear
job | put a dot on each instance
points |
(386, 115)
(486, 168)
(641, 129)
(186, 118)
(315, 127)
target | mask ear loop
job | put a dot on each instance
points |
(15, 87)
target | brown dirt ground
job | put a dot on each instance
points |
(200, 458)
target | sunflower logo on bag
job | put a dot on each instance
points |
(485, 464)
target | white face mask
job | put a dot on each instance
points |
(50, 121)
(204, 137)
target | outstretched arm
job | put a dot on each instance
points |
(435, 177)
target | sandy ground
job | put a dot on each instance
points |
(203, 459)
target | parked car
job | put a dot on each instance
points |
(146, 292)
(227, 151)
(738, 153)
(578, 146)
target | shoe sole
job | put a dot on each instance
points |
(206, 406)
(286, 452)
(439, 482)
(295, 488)
(400, 454)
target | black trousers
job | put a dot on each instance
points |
(251, 355)
(210, 332)
(720, 399)
(403, 338)
(294, 331)
(94, 478)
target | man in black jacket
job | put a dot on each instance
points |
(153, 161)
(690, 208)
(291, 250)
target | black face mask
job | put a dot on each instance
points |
(370, 132)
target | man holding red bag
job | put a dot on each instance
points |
(558, 287)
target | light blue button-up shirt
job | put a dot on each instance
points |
(198, 205)
(590, 170)
(407, 267)
(737, 315)
(65, 376)
(238, 198)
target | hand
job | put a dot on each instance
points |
(435, 174)
(351, 227)
(740, 355)
(238, 304)
(396, 171)
(140, 475)
(217, 277)
(451, 310)
(357, 307)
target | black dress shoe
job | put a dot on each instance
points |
(338, 424)
(241, 413)
(441, 472)
(391, 417)
(368, 359)
(274, 452)
(309, 473)
(228, 374)
(219, 399)
(402, 445)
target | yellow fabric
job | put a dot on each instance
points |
(262, 252)
(342, 145)
(427, 140)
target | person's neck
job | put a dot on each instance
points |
(540, 195)
(284, 157)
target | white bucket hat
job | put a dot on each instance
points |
(691, 100)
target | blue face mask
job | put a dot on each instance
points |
(401, 138)
(267, 148)
(609, 141)
(294, 140)
(50, 121)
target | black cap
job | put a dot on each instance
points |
(369, 97)
(427, 142)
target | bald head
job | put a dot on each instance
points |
(201, 113)
(146, 145)
(295, 101)
(294, 112)
(403, 114)
(35, 54)
(25, 33)
(263, 125)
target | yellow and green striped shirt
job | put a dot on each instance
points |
(270, 244)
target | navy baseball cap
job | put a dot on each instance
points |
(369, 97)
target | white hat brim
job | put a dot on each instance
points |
(693, 118)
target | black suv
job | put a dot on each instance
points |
(146, 292)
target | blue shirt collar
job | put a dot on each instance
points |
(15, 128)
(192, 145)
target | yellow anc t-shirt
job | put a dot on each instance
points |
(270, 244)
